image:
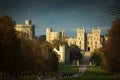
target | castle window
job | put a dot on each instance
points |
(80, 42)
(95, 42)
(91, 43)
(88, 42)
(95, 46)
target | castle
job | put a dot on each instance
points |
(64, 54)
(27, 28)
(86, 42)
(50, 35)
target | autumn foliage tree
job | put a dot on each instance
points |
(112, 49)
(19, 54)
(38, 57)
(32, 57)
(57, 42)
(10, 52)
(52, 59)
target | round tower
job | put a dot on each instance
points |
(48, 31)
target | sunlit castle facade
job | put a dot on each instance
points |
(50, 35)
(27, 28)
(64, 54)
(63, 51)
(87, 42)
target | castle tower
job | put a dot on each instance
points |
(63, 35)
(81, 38)
(96, 37)
(27, 28)
(28, 22)
(62, 53)
(48, 31)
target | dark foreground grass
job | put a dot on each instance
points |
(95, 73)
(27, 78)
(92, 73)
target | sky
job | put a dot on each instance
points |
(60, 15)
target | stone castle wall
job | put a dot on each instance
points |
(27, 28)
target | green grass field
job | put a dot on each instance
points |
(92, 73)
(68, 69)
(95, 73)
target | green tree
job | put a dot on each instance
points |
(75, 53)
(96, 58)
(112, 49)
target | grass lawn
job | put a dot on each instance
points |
(27, 78)
(68, 69)
(95, 73)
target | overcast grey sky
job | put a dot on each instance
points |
(60, 15)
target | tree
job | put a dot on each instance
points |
(96, 57)
(56, 43)
(41, 39)
(10, 52)
(33, 58)
(51, 63)
(19, 54)
(75, 53)
(115, 8)
(112, 49)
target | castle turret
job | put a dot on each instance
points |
(48, 31)
(28, 22)
(63, 35)
(26, 28)
(96, 36)
(62, 52)
(81, 38)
